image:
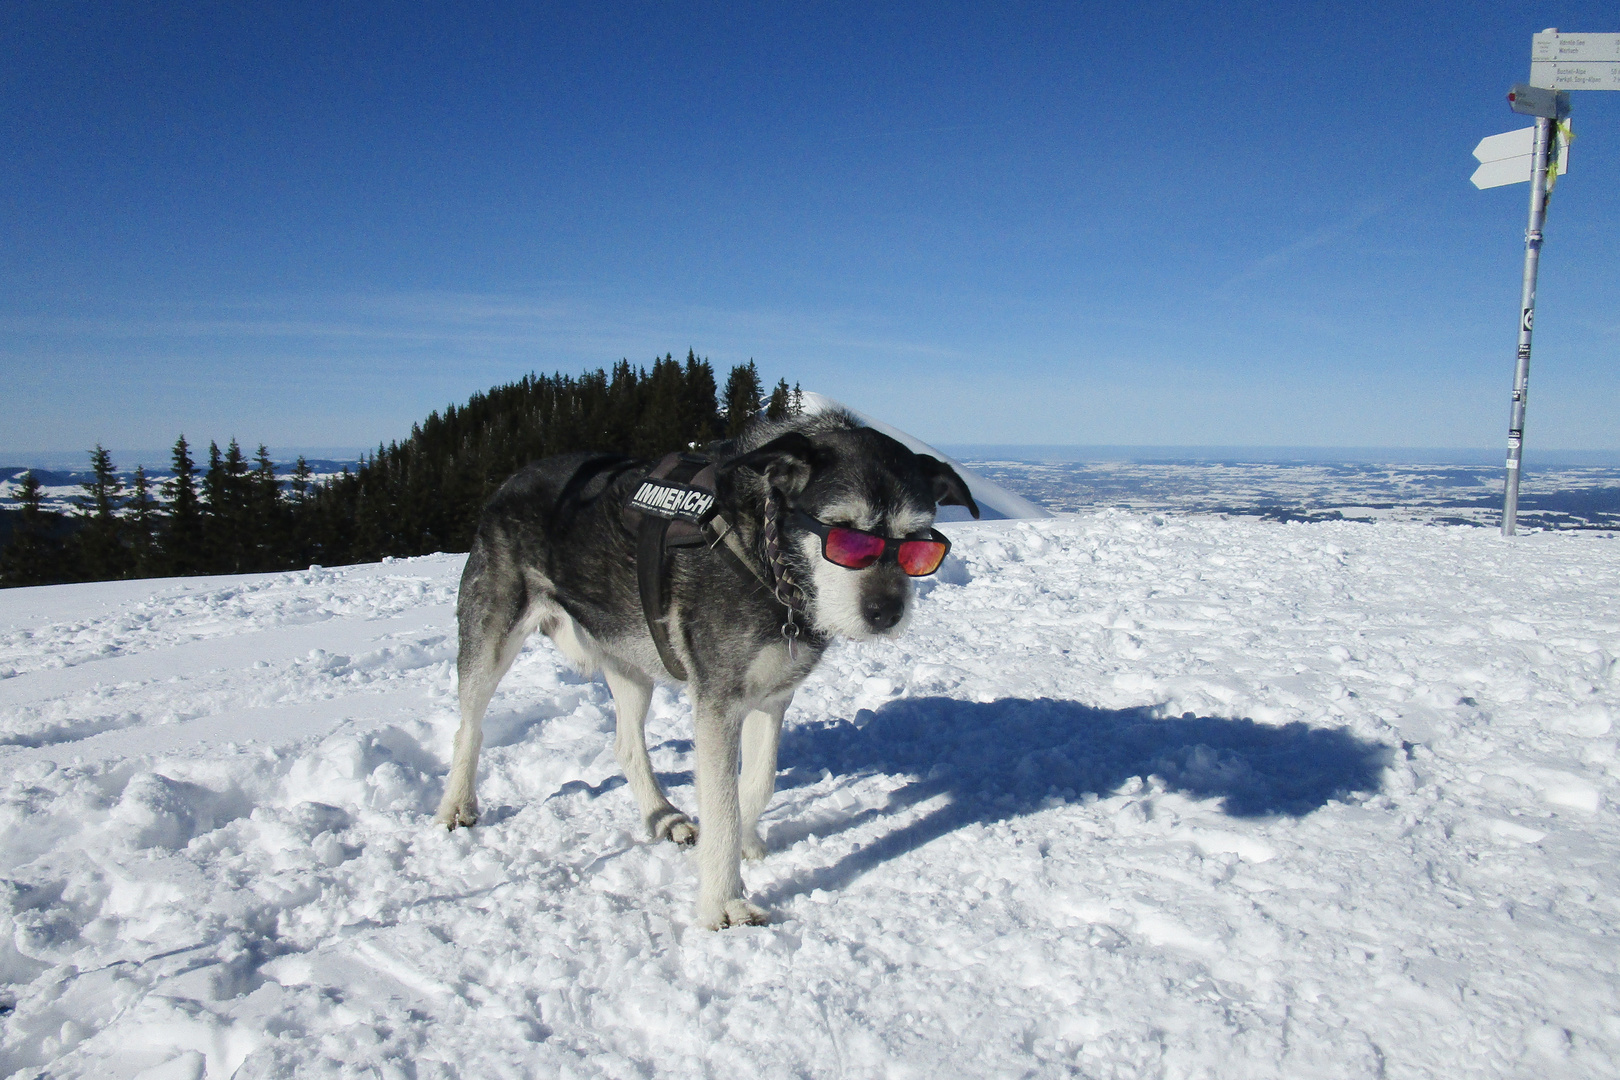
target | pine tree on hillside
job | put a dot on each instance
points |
(183, 537)
(662, 426)
(214, 557)
(213, 481)
(622, 410)
(376, 519)
(302, 492)
(425, 493)
(780, 406)
(238, 511)
(99, 545)
(266, 515)
(227, 520)
(698, 406)
(141, 524)
(300, 481)
(34, 555)
(742, 398)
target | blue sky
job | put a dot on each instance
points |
(1158, 224)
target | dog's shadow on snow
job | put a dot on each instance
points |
(1002, 759)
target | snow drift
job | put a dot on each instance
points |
(1135, 796)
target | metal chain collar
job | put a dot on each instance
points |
(788, 593)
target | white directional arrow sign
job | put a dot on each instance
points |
(1507, 158)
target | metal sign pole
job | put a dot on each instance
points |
(1559, 63)
(1527, 314)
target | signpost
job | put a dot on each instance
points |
(1575, 61)
(1558, 63)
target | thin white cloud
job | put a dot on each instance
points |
(1229, 289)
(492, 325)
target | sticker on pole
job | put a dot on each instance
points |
(1507, 158)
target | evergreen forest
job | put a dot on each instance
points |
(230, 513)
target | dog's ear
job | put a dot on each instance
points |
(786, 462)
(949, 489)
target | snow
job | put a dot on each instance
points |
(1409, 488)
(1134, 796)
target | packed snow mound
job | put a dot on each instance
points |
(996, 503)
(1133, 796)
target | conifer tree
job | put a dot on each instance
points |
(301, 480)
(662, 426)
(214, 556)
(425, 493)
(780, 405)
(213, 483)
(301, 543)
(183, 536)
(797, 408)
(742, 397)
(238, 510)
(34, 555)
(99, 544)
(141, 525)
(266, 520)
(702, 413)
(622, 408)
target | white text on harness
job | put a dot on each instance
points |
(672, 500)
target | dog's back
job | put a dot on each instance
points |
(554, 517)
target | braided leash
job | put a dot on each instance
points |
(787, 591)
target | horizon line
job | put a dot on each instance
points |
(58, 460)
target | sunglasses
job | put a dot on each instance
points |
(856, 550)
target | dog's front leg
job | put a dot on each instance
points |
(761, 735)
(720, 889)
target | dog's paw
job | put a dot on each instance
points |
(673, 825)
(737, 912)
(452, 814)
(752, 846)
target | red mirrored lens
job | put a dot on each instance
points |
(851, 549)
(919, 557)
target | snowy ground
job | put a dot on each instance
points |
(1135, 796)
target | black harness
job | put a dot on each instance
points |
(674, 507)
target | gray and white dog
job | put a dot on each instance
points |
(552, 553)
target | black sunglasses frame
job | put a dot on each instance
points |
(891, 546)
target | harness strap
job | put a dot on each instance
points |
(725, 542)
(650, 570)
(653, 539)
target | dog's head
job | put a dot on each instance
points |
(843, 474)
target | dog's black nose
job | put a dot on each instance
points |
(883, 612)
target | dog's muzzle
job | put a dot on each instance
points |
(883, 611)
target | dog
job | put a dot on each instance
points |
(744, 621)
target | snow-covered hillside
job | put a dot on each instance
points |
(1134, 796)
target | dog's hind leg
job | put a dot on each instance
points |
(494, 615)
(761, 735)
(632, 691)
